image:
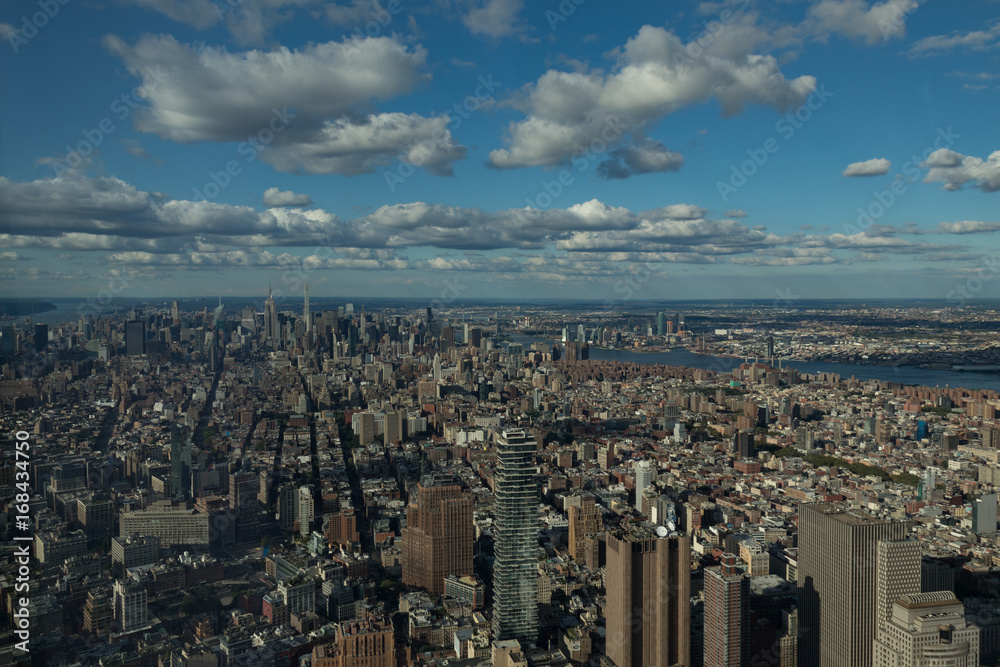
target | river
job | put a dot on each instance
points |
(925, 377)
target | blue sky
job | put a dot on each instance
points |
(838, 148)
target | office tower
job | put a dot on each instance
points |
(837, 583)
(272, 330)
(648, 581)
(366, 428)
(788, 643)
(394, 429)
(439, 534)
(515, 572)
(643, 480)
(743, 446)
(175, 312)
(135, 339)
(130, 606)
(288, 500)
(305, 310)
(305, 510)
(927, 629)
(180, 460)
(130, 551)
(437, 366)
(583, 520)
(661, 323)
(727, 606)
(96, 515)
(984, 514)
(770, 347)
(897, 574)
(41, 337)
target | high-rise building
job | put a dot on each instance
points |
(927, 629)
(366, 428)
(130, 606)
(898, 574)
(727, 605)
(129, 551)
(643, 480)
(661, 323)
(984, 514)
(648, 581)
(584, 520)
(515, 572)
(837, 583)
(135, 338)
(180, 460)
(439, 534)
(306, 510)
(306, 315)
(41, 337)
(272, 328)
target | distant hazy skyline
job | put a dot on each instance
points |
(501, 149)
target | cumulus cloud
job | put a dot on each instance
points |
(105, 214)
(856, 19)
(874, 167)
(736, 213)
(494, 18)
(647, 157)
(276, 197)
(956, 170)
(571, 112)
(309, 109)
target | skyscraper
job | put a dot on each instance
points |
(439, 535)
(583, 520)
(898, 569)
(180, 460)
(643, 480)
(727, 604)
(515, 575)
(305, 310)
(135, 338)
(837, 583)
(984, 514)
(648, 580)
(272, 330)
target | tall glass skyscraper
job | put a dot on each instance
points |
(515, 571)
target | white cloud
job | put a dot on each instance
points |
(352, 146)
(956, 170)
(856, 19)
(571, 112)
(494, 18)
(874, 167)
(974, 40)
(736, 213)
(308, 109)
(969, 227)
(276, 197)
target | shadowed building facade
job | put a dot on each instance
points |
(648, 581)
(837, 581)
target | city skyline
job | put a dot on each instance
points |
(496, 149)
